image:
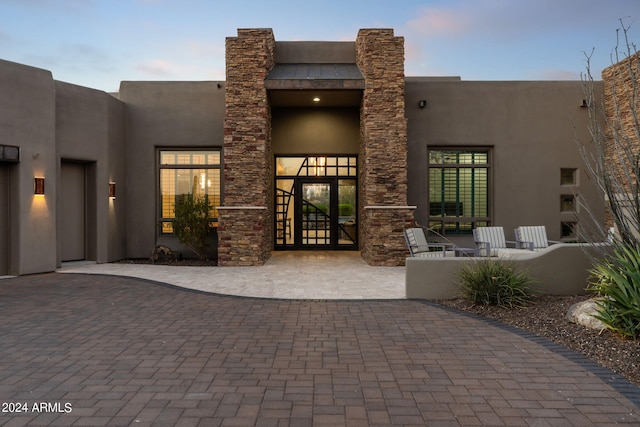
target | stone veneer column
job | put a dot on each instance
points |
(620, 81)
(383, 148)
(245, 226)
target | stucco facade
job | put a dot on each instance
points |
(55, 124)
(531, 129)
(379, 127)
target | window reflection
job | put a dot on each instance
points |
(184, 173)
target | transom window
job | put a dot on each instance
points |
(458, 189)
(317, 166)
(188, 172)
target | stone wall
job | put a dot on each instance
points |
(383, 148)
(622, 110)
(245, 227)
(384, 244)
(245, 223)
(241, 239)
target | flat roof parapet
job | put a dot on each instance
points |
(305, 52)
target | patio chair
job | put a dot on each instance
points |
(419, 247)
(532, 237)
(490, 241)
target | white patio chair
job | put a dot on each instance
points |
(490, 241)
(532, 237)
(419, 247)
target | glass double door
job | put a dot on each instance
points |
(322, 215)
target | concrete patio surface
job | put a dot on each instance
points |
(287, 274)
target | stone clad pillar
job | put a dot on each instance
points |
(245, 234)
(383, 148)
(621, 89)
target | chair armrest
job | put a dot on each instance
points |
(434, 244)
(429, 245)
(527, 245)
(483, 246)
(427, 248)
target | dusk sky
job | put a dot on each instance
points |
(99, 43)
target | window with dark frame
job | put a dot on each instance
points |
(188, 172)
(458, 189)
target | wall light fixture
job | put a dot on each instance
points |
(38, 186)
(112, 190)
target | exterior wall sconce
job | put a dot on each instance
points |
(38, 186)
(112, 190)
(422, 103)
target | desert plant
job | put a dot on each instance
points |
(617, 279)
(612, 153)
(192, 225)
(495, 282)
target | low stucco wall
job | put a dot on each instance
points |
(561, 269)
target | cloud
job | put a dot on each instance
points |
(471, 37)
(71, 60)
(5, 38)
(439, 22)
(412, 51)
(157, 67)
(556, 75)
(216, 74)
(86, 56)
(170, 69)
(57, 5)
(199, 48)
(514, 20)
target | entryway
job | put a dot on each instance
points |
(72, 214)
(4, 220)
(316, 203)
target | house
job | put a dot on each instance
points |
(306, 145)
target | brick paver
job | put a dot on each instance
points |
(105, 350)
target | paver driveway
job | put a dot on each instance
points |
(107, 350)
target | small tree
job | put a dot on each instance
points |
(613, 160)
(612, 156)
(192, 224)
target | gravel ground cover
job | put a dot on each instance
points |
(545, 317)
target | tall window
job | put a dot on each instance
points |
(188, 172)
(458, 189)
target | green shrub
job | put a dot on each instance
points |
(617, 279)
(345, 209)
(192, 224)
(314, 209)
(495, 282)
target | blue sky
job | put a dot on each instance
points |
(98, 43)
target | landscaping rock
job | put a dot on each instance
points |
(164, 254)
(582, 313)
